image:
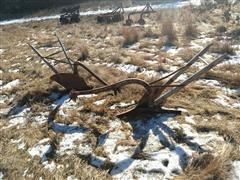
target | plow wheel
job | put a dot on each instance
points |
(145, 107)
(141, 21)
(129, 22)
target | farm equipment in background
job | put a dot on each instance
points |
(116, 15)
(70, 15)
(146, 10)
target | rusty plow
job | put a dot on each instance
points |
(69, 80)
(155, 95)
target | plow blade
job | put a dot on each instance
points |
(70, 81)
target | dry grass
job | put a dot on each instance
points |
(131, 36)
(208, 166)
(161, 42)
(227, 74)
(151, 33)
(186, 54)
(138, 60)
(83, 53)
(108, 74)
(235, 33)
(36, 87)
(169, 31)
(190, 30)
(222, 47)
(223, 128)
(221, 29)
(14, 162)
(116, 58)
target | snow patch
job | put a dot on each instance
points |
(67, 144)
(1, 175)
(151, 62)
(1, 51)
(129, 68)
(199, 44)
(71, 178)
(61, 100)
(40, 119)
(233, 59)
(134, 46)
(223, 100)
(10, 85)
(173, 50)
(121, 104)
(50, 166)
(41, 149)
(207, 82)
(14, 70)
(21, 145)
(196, 2)
(159, 130)
(99, 102)
(190, 119)
(236, 170)
(97, 161)
(202, 140)
(72, 133)
(18, 116)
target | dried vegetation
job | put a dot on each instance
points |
(102, 44)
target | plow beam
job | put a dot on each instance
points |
(194, 77)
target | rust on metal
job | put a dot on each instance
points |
(146, 10)
(70, 81)
(70, 15)
(155, 95)
(116, 15)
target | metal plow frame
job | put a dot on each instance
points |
(155, 95)
(152, 100)
(115, 16)
(70, 81)
(146, 10)
(70, 15)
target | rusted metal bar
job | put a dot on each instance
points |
(184, 68)
(194, 77)
(70, 81)
(65, 52)
(165, 77)
(115, 16)
(151, 101)
(57, 61)
(203, 60)
(146, 10)
(57, 52)
(118, 85)
(91, 72)
(44, 59)
(113, 86)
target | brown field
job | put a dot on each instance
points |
(98, 45)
